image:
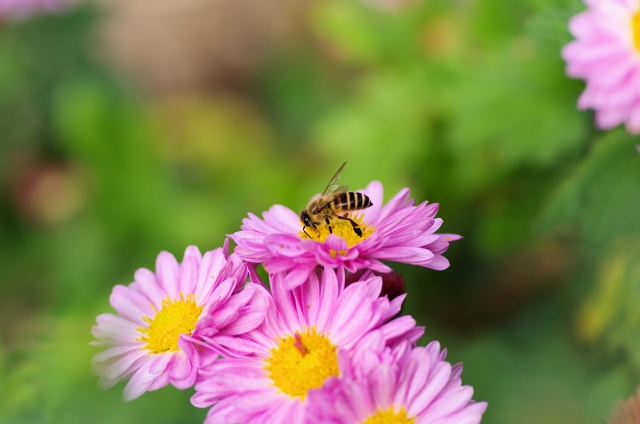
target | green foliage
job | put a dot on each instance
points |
(609, 314)
(387, 111)
(525, 387)
(512, 113)
(601, 197)
(36, 54)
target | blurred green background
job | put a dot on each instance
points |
(127, 128)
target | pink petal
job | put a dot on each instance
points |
(167, 274)
(189, 270)
(131, 304)
(135, 388)
(147, 285)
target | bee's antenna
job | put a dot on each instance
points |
(305, 231)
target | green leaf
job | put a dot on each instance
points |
(384, 125)
(609, 317)
(509, 113)
(602, 197)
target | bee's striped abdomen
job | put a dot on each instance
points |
(351, 201)
(363, 201)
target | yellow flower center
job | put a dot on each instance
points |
(390, 417)
(635, 27)
(176, 317)
(342, 228)
(302, 362)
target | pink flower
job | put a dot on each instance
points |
(381, 384)
(295, 350)
(162, 318)
(398, 231)
(19, 9)
(606, 54)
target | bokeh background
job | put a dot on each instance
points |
(131, 127)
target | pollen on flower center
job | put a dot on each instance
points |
(342, 228)
(176, 317)
(635, 27)
(302, 362)
(390, 417)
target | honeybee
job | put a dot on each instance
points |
(335, 202)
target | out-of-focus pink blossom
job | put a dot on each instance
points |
(21, 9)
(606, 54)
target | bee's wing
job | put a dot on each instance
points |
(333, 187)
(338, 189)
(334, 183)
(331, 194)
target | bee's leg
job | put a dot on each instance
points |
(326, 219)
(356, 227)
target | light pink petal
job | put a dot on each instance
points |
(471, 414)
(157, 365)
(329, 291)
(309, 297)
(118, 329)
(245, 323)
(438, 263)
(298, 275)
(376, 195)
(222, 292)
(285, 245)
(383, 381)
(286, 303)
(404, 254)
(211, 266)
(130, 304)
(134, 387)
(119, 368)
(168, 273)
(115, 351)
(189, 270)
(351, 316)
(453, 402)
(393, 206)
(282, 220)
(147, 285)
(160, 381)
(183, 373)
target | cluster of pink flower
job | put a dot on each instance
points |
(307, 347)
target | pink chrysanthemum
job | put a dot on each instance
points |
(404, 386)
(606, 54)
(398, 231)
(19, 9)
(162, 316)
(295, 350)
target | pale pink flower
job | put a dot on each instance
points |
(295, 350)
(397, 231)
(381, 384)
(606, 54)
(164, 319)
(20, 9)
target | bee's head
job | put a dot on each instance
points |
(306, 219)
